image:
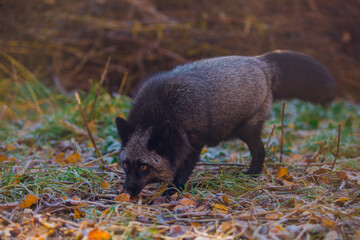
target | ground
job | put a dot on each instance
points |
(54, 184)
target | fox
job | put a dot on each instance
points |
(176, 113)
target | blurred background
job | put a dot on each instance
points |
(67, 44)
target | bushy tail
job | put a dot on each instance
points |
(297, 75)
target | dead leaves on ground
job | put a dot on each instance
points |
(287, 204)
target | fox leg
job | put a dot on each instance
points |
(251, 135)
(185, 168)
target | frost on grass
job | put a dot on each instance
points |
(52, 184)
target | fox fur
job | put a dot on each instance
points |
(176, 113)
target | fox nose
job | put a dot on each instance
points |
(133, 190)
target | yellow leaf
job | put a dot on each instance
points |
(281, 172)
(3, 158)
(279, 227)
(342, 199)
(204, 150)
(106, 211)
(78, 213)
(104, 184)
(97, 234)
(123, 197)
(73, 158)
(220, 208)
(28, 201)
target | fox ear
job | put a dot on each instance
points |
(160, 136)
(124, 129)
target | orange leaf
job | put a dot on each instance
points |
(328, 223)
(187, 202)
(9, 147)
(78, 213)
(105, 184)
(281, 172)
(59, 158)
(220, 208)
(28, 201)
(225, 199)
(106, 211)
(73, 158)
(97, 234)
(2, 158)
(76, 198)
(123, 197)
(225, 226)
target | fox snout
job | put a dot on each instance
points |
(132, 187)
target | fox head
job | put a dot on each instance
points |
(149, 155)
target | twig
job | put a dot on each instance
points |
(123, 81)
(101, 161)
(332, 141)
(268, 141)
(312, 160)
(282, 131)
(80, 131)
(338, 147)
(97, 90)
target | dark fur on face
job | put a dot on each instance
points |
(149, 155)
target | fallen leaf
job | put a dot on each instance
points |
(187, 202)
(123, 197)
(78, 213)
(220, 208)
(59, 158)
(3, 158)
(28, 201)
(76, 198)
(281, 172)
(328, 223)
(225, 199)
(275, 216)
(97, 234)
(342, 175)
(9, 147)
(73, 158)
(204, 150)
(105, 184)
(341, 200)
(226, 226)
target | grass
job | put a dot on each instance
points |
(310, 201)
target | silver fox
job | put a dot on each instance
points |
(176, 113)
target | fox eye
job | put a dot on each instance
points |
(143, 167)
(125, 165)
